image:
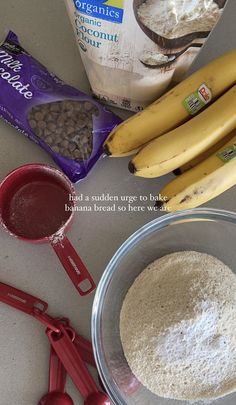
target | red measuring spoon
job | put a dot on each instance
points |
(83, 345)
(36, 205)
(37, 308)
(28, 304)
(75, 367)
(57, 380)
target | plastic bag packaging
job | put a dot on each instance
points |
(129, 47)
(68, 124)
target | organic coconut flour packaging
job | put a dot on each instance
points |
(134, 49)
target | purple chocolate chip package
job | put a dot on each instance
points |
(68, 124)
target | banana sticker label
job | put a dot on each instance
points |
(198, 99)
(228, 154)
(109, 10)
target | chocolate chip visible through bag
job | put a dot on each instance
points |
(64, 121)
(66, 126)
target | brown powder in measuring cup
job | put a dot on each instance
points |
(37, 209)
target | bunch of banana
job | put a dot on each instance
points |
(174, 108)
(203, 182)
(177, 147)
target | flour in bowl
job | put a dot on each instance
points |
(182, 18)
(178, 327)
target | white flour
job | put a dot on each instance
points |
(178, 327)
(176, 19)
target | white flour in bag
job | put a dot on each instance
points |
(178, 327)
(113, 46)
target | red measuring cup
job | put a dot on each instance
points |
(37, 205)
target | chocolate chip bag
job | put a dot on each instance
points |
(67, 123)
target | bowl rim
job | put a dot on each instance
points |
(211, 214)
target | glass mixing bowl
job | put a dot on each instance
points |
(204, 230)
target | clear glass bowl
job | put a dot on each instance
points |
(204, 230)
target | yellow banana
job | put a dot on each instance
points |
(177, 147)
(200, 158)
(205, 181)
(174, 107)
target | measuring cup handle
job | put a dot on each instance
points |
(74, 266)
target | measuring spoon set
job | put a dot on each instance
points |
(69, 351)
(37, 205)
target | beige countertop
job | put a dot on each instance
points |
(45, 31)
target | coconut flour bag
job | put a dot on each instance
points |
(67, 123)
(128, 47)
